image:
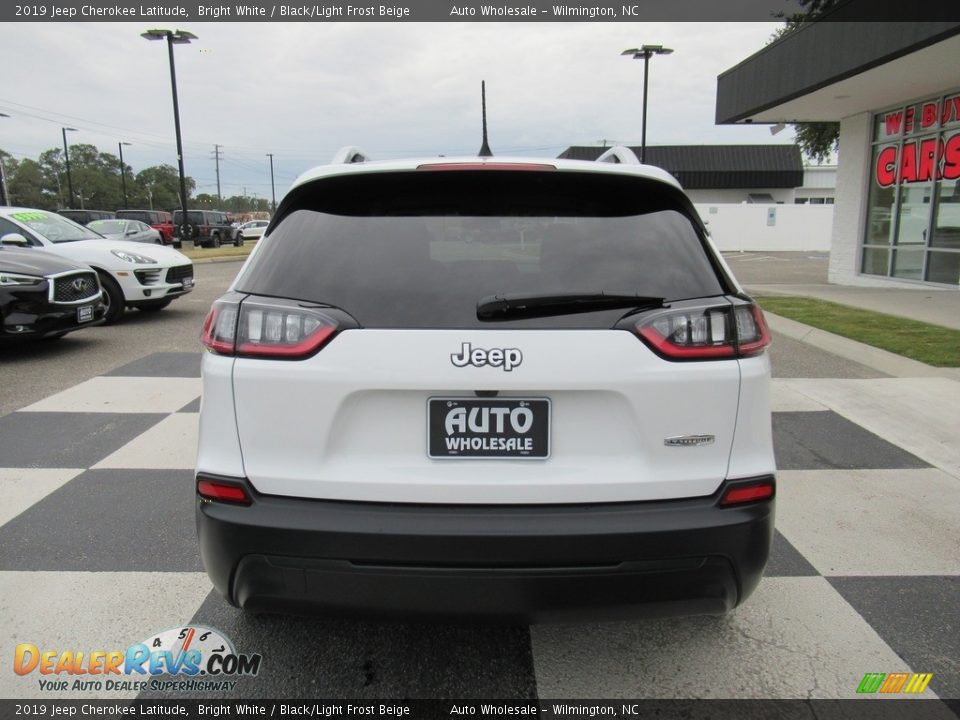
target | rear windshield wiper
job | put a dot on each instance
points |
(518, 306)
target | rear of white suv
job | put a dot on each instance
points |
(514, 389)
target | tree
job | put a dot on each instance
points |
(817, 139)
(28, 186)
(7, 166)
(158, 187)
(96, 178)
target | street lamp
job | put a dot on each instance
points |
(66, 157)
(123, 173)
(179, 37)
(3, 176)
(645, 52)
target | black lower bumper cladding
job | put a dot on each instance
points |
(515, 563)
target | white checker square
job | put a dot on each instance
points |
(171, 444)
(122, 395)
(872, 522)
(23, 487)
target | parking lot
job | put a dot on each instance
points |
(97, 442)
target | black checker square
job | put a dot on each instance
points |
(786, 561)
(919, 617)
(162, 364)
(108, 520)
(305, 657)
(67, 439)
(824, 440)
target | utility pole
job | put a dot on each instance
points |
(216, 157)
(4, 197)
(3, 184)
(273, 189)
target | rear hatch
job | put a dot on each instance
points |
(471, 337)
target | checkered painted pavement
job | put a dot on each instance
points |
(97, 551)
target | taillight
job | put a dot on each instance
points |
(747, 493)
(711, 333)
(229, 492)
(261, 329)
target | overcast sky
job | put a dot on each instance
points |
(301, 91)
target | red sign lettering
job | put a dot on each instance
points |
(928, 115)
(921, 162)
(926, 164)
(887, 167)
(894, 121)
(951, 158)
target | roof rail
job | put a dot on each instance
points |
(347, 155)
(619, 154)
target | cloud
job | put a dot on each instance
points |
(302, 90)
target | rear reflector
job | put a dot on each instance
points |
(222, 492)
(266, 329)
(740, 494)
(706, 333)
(486, 166)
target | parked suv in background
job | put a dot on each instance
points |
(159, 220)
(86, 216)
(208, 228)
(513, 388)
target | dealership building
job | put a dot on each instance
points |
(895, 90)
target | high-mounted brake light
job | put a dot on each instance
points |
(259, 329)
(228, 492)
(741, 494)
(480, 165)
(711, 333)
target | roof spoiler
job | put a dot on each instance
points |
(619, 154)
(348, 155)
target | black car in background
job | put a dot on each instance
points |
(86, 216)
(45, 296)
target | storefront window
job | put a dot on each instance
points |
(880, 203)
(913, 214)
(875, 260)
(913, 204)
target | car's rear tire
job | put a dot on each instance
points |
(154, 305)
(113, 299)
(215, 240)
(239, 241)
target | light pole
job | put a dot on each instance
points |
(180, 37)
(123, 173)
(273, 189)
(645, 52)
(66, 158)
(3, 176)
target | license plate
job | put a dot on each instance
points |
(497, 428)
(187, 283)
(85, 313)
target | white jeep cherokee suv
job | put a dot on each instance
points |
(514, 388)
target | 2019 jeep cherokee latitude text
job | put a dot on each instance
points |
(525, 389)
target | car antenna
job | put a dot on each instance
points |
(484, 148)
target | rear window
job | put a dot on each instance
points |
(141, 215)
(418, 250)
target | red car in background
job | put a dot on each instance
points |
(159, 220)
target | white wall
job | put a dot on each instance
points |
(739, 195)
(851, 200)
(819, 176)
(745, 227)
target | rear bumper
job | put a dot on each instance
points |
(518, 562)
